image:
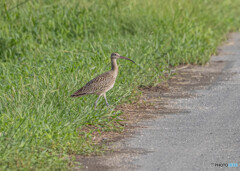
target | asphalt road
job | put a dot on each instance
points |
(207, 137)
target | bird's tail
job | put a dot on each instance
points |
(78, 95)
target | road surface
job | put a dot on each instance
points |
(204, 136)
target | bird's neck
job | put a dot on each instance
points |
(114, 65)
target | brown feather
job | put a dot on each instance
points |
(97, 85)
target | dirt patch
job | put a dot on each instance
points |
(156, 101)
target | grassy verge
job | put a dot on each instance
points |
(49, 49)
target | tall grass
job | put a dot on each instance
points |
(49, 49)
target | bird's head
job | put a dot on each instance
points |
(117, 56)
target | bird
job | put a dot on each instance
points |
(101, 84)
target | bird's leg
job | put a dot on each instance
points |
(105, 97)
(97, 101)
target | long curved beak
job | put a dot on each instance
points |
(122, 57)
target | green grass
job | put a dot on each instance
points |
(50, 48)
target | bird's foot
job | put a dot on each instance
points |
(111, 107)
(95, 106)
(121, 119)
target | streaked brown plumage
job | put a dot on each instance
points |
(102, 83)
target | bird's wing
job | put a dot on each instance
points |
(96, 85)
